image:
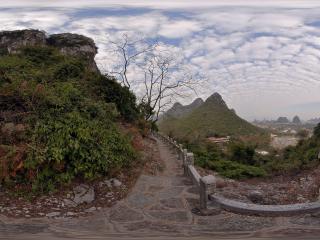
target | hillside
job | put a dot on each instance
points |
(59, 117)
(179, 110)
(212, 117)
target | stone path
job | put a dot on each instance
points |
(160, 207)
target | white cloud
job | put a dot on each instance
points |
(178, 29)
(261, 56)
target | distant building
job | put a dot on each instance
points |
(262, 152)
(219, 139)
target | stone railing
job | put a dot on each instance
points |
(207, 186)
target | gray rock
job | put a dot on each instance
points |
(75, 45)
(13, 41)
(53, 214)
(68, 44)
(109, 195)
(83, 194)
(90, 210)
(70, 214)
(113, 182)
(256, 197)
(69, 203)
(116, 182)
(108, 183)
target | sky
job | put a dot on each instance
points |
(261, 56)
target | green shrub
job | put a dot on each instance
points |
(3, 51)
(236, 170)
(112, 91)
(70, 116)
(69, 70)
(72, 145)
(39, 55)
(243, 153)
(316, 131)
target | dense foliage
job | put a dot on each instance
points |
(232, 163)
(302, 156)
(241, 160)
(55, 124)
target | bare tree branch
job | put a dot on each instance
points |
(159, 70)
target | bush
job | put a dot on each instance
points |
(69, 70)
(243, 153)
(236, 170)
(316, 131)
(112, 91)
(69, 125)
(39, 55)
(74, 146)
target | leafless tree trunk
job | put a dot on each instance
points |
(160, 85)
(160, 88)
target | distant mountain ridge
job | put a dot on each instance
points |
(204, 119)
(179, 110)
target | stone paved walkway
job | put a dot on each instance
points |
(159, 207)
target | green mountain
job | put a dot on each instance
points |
(210, 118)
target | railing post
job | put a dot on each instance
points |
(207, 186)
(180, 152)
(189, 160)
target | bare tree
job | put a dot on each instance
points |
(164, 79)
(129, 51)
(161, 88)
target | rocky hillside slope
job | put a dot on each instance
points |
(59, 117)
(206, 119)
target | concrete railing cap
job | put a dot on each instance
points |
(190, 154)
(209, 179)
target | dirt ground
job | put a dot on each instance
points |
(288, 189)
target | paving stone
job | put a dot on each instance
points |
(172, 203)
(234, 223)
(158, 206)
(170, 192)
(139, 200)
(178, 181)
(24, 228)
(193, 202)
(155, 188)
(175, 216)
(312, 220)
(125, 214)
(193, 190)
(146, 226)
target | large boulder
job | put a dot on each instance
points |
(75, 45)
(12, 41)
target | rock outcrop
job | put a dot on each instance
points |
(69, 44)
(13, 41)
(75, 45)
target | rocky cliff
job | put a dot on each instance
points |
(68, 44)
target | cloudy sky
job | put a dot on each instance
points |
(261, 56)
